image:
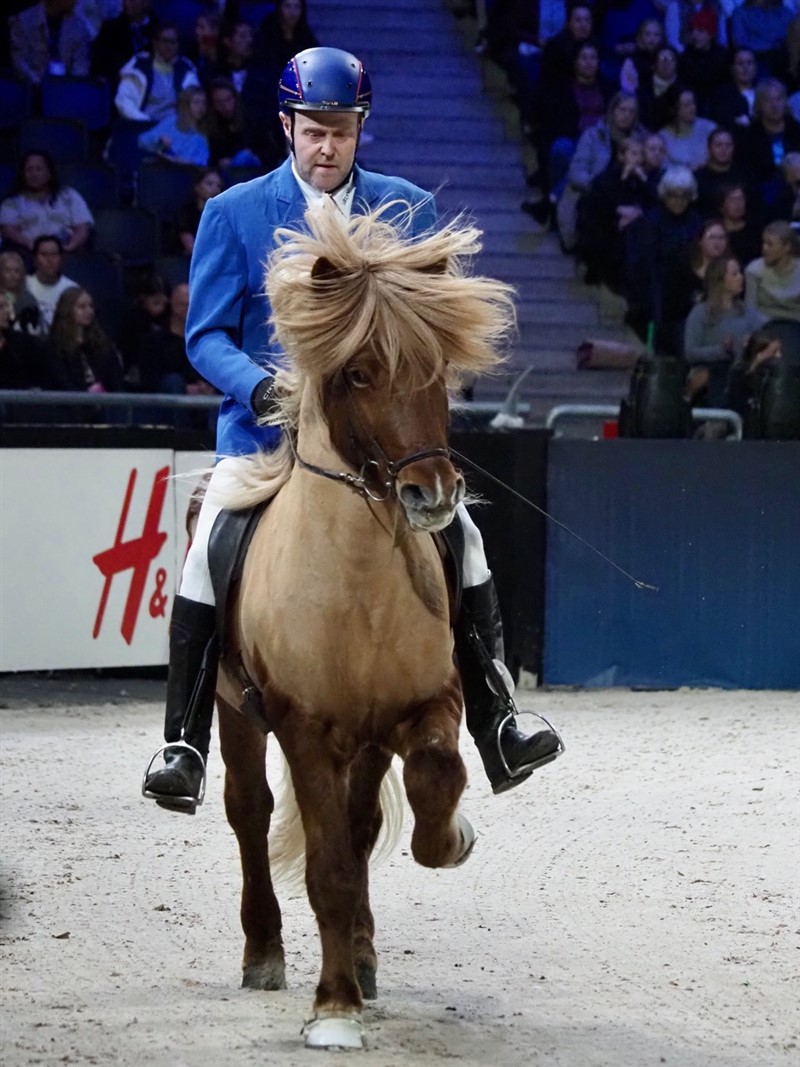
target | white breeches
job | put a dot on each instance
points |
(196, 580)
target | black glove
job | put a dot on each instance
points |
(262, 399)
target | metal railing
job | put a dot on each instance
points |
(611, 411)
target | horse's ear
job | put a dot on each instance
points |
(324, 271)
(437, 268)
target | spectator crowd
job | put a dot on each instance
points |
(188, 92)
(667, 135)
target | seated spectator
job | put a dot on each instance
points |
(22, 362)
(206, 53)
(207, 184)
(558, 52)
(721, 169)
(165, 367)
(678, 16)
(49, 38)
(121, 38)
(772, 134)
(781, 196)
(47, 283)
(761, 352)
(642, 55)
(284, 33)
(655, 159)
(744, 232)
(762, 25)
(773, 280)
(593, 153)
(40, 205)
(703, 65)
(150, 81)
(177, 138)
(140, 323)
(583, 101)
(236, 53)
(716, 332)
(225, 128)
(22, 307)
(732, 103)
(651, 91)
(684, 280)
(655, 242)
(685, 134)
(82, 357)
(616, 198)
(617, 26)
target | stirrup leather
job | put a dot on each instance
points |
(497, 684)
(175, 801)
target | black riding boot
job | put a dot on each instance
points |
(509, 756)
(193, 656)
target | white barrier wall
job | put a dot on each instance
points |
(91, 547)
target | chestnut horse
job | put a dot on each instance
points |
(341, 621)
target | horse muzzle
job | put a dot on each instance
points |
(430, 506)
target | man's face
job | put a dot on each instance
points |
(47, 262)
(240, 42)
(720, 149)
(580, 23)
(166, 45)
(324, 146)
(744, 69)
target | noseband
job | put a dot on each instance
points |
(384, 470)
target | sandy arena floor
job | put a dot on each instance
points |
(635, 905)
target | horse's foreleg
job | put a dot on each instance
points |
(249, 805)
(434, 776)
(366, 774)
(335, 871)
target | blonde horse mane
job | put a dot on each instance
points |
(341, 288)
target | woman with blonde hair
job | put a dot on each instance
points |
(773, 280)
(82, 356)
(717, 330)
(178, 138)
(23, 309)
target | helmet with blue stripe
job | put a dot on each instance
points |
(325, 79)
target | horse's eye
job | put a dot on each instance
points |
(357, 378)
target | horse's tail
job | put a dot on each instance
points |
(287, 841)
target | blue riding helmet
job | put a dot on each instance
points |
(325, 79)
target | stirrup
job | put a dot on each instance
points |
(176, 803)
(527, 768)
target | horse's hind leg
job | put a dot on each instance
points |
(249, 805)
(434, 778)
(366, 774)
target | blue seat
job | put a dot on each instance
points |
(100, 273)
(130, 233)
(87, 99)
(124, 153)
(16, 102)
(67, 140)
(164, 188)
(98, 183)
(173, 270)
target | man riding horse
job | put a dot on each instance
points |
(324, 97)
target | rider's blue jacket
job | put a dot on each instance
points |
(227, 336)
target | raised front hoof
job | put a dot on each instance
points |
(269, 976)
(468, 839)
(367, 979)
(334, 1031)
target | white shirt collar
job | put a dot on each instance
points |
(343, 197)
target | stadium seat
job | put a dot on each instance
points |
(101, 274)
(123, 152)
(86, 99)
(97, 183)
(67, 140)
(173, 270)
(16, 103)
(163, 188)
(131, 233)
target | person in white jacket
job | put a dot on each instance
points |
(150, 81)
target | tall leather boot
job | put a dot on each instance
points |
(191, 682)
(509, 756)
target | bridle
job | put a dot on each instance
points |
(384, 470)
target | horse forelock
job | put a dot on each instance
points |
(405, 301)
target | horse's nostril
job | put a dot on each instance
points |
(415, 496)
